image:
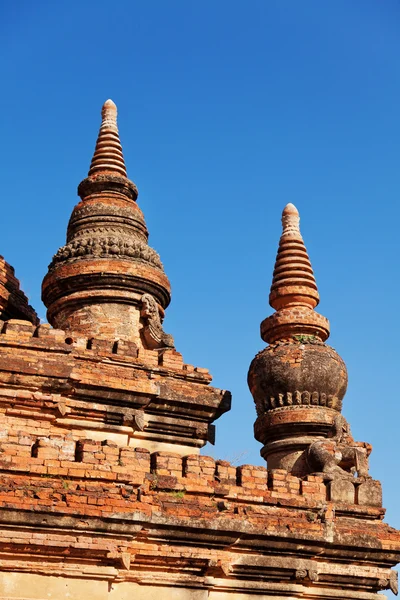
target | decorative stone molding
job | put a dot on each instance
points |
(298, 398)
(93, 217)
(112, 246)
(106, 182)
(294, 321)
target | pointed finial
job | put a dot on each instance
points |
(108, 155)
(291, 220)
(294, 293)
(109, 115)
(293, 279)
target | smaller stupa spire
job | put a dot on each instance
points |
(294, 293)
(297, 381)
(108, 157)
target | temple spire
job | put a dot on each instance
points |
(106, 281)
(108, 156)
(294, 293)
(297, 382)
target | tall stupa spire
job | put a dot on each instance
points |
(108, 156)
(107, 280)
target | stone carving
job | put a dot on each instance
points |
(134, 419)
(302, 574)
(383, 584)
(153, 332)
(109, 246)
(123, 559)
(339, 455)
(394, 582)
(297, 398)
(391, 583)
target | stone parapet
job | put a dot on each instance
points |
(68, 459)
(191, 522)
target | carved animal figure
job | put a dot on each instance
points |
(152, 331)
(340, 455)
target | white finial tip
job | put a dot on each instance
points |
(109, 113)
(109, 104)
(291, 220)
(290, 209)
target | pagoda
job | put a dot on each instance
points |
(103, 491)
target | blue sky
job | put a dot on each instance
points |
(227, 111)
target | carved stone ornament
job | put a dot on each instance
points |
(153, 332)
(107, 246)
(125, 560)
(339, 455)
(394, 582)
(122, 559)
(134, 419)
(301, 574)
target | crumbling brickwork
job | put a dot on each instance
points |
(13, 302)
(162, 518)
(103, 492)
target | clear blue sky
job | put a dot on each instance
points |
(227, 111)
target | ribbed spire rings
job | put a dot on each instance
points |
(108, 155)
